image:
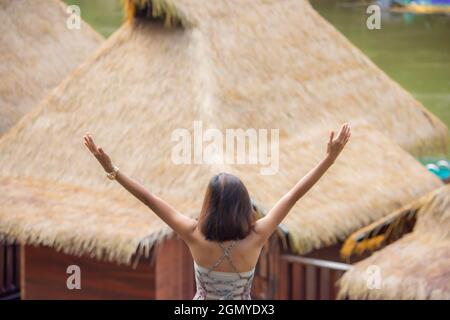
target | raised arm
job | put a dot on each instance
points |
(265, 226)
(181, 224)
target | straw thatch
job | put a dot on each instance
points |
(37, 51)
(232, 69)
(415, 267)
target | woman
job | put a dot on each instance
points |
(226, 241)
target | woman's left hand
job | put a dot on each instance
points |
(98, 152)
(336, 145)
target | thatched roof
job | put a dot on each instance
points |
(37, 51)
(231, 68)
(415, 267)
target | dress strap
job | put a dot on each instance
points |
(226, 255)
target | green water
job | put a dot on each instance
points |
(413, 49)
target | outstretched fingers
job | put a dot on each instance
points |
(343, 133)
(89, 142)
(347, 134)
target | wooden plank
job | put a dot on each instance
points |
(284, 280)
(45, 277)
(325, 284)
(311, 283)
(17, 267)
(9, 271)
(316, 262)
(274, 267)
(9, 268)
(334, 277)
(23, 289)
(2, 269)
(298, 281)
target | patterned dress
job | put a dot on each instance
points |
(217, 285)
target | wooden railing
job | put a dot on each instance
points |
(309, 278)
(9, 271)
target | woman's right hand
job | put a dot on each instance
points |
(98, 153)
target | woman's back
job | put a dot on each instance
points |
(244, 253)
(222, 279)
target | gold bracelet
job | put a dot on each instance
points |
(113, 174)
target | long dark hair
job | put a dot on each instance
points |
(227, 212)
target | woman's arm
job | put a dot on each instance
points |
(181, 224)
(265, 226)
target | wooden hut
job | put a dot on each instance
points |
(229, 64)
(37, 51)
(414, 267)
